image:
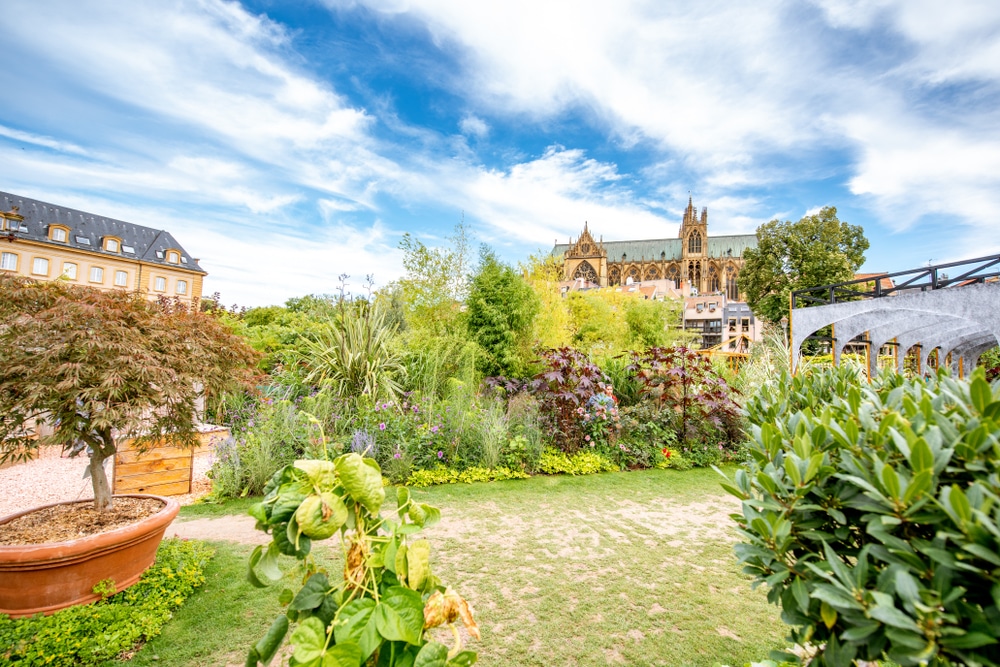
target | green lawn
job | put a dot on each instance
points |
(622, 568)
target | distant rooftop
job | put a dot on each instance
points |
(88, 229)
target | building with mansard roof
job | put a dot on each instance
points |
(696, 262)
(47, 241)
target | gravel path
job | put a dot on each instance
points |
(52, 479)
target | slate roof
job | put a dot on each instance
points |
(88, 229)
(669, 249)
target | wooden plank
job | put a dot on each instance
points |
(156, 477)
(132, 456)
(171, 489)
(153, 455)
(151, 465)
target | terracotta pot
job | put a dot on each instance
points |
(43, 578)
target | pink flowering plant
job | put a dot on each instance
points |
(600, 422)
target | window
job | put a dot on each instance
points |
(8, 261)
(182, 287)
(159, 254)
(121, 278)
(128, 249)
(160, 285)
(40, 266)
(82, 240)
(694, 243)
(700, 307)
(96, 274)
(173, 257)
(69, 270)
(59, 234)
(111, 245)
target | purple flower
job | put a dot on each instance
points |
(415, 409)
(440, 454)
(381, 426)
(397, 455)
(434, 429)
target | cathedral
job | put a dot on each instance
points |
(705, 264)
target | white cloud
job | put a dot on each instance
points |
(953, 173)
(475, 126)
(44, 142)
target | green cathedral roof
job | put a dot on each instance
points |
(719, 247)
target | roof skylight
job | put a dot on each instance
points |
(83, 240)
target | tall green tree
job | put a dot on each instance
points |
(500, 309)
(817, 250)
(435, 282)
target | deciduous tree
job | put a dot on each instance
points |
(105, 367)
(817, 250)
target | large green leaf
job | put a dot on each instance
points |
(463, 659)
(399, 615)
(418, 563)
(322, 474)
(309, 639)
(432, 654)
(312, 594)
(358, 625)
(361, 481)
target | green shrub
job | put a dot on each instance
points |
(277, 434)
(553, 462)
(873, 515)
(442, 475)
(91, 634)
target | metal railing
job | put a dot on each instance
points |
(969, 271)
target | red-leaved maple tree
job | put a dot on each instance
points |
(103, 367)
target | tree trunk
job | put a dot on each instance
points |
(99, 480)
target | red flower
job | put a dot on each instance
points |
(666, 452)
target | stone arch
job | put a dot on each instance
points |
(674, 273)
(634, 273)
(614, 275)
(694, 274)
(587, 272)
(694, 243)
(732, 283)
(714, 280)
(652, 273)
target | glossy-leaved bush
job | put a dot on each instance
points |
(381, 607)
(872, 513)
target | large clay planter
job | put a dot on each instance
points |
(43, 578)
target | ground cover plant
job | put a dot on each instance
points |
(872, 514)
(118, 624)
(619, 568)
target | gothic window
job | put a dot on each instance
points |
(633, 273)
(694, 273)
(694, 243)
(652, 273)
(614, 275)
(713, 279)
(674, 273)
(586, 271)
(732, 288)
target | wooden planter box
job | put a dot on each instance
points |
(163, 470)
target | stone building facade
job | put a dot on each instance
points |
(696, 262)
(48, 242)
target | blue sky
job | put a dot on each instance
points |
(285, 143)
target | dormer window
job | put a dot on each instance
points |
(58, 234)
(173, 257)
(112, 245)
